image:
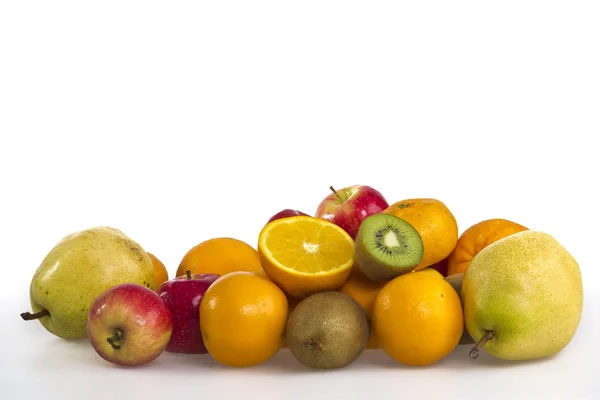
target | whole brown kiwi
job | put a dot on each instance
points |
(327, 330)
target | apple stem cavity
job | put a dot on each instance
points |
(474, 353)
(188, 273)
(336, 193)
(116, 339)
(27, 316)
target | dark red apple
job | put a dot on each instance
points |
(182, 296)
(349, 206)
(129, 325)
(285, 214)
(441, 267)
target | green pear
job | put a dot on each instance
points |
(78, 269)
(522, 297)
(456, 280)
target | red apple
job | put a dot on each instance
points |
(286, 213)
(349, 206)
(182, 296)
(129, 325)
(441, 267)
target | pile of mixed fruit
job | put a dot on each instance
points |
(360, 274)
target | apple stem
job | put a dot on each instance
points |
(335, 192)
(116, 338)
(27, 316)
(188, 273)
(474, 353)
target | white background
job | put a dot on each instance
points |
(181, 121)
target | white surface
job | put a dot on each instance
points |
(179, 122)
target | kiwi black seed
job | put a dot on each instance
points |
(456, 280)
(328, 330)
(386, 247)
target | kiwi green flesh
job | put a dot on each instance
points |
(387, 246)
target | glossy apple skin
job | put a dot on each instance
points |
(354, 204)
(441, 267)
(182, 296)
(286, 213)
(135, 319)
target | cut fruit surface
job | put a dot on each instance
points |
(386, 247)
(305, 255)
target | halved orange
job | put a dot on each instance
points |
(305, 255)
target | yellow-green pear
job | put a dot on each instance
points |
(82, 266)
(522, 297)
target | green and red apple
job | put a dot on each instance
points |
(129, 325)
(349, 206)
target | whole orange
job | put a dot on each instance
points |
(220, 256)
(364, 291)
(417, 319)
(434, 222)
(160, 272)
(292, 303)
(476, 238)
(429, 270)
(242, 319)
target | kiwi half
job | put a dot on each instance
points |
(386, 247)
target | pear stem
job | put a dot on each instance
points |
(27, 316)
(188, 273)
(116, 338)
(474, 353)
(336, 193)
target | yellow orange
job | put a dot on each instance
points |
(305, 255)
(220, 256)
(417, 319)
(434, 222)
(242, 319)
(476, 238)
(372, 343)
(429, 270)
(364, 291)
(160, 272)
(292, 303)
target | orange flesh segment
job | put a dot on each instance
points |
(308, 247)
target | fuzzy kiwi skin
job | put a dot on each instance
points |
(328, 330)
(456, 280)
(374, 269)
